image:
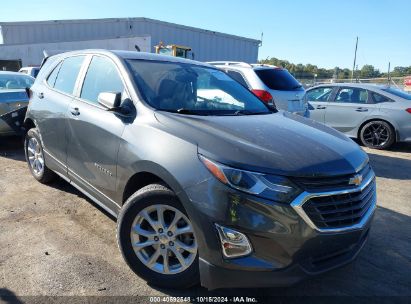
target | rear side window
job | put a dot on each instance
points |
(319, 94)
(278, 79)
(352, 95)
(102, 76)
(67, 76)
(237, 76)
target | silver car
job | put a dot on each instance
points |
(270, 83)
(378, 115)
(13, 101)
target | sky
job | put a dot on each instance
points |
(320, 32)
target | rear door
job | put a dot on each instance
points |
(349, 108)
(318, 101)
(51, 99)
(94, 132)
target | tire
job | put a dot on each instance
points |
(150, 201)
(377, 134)
(35, 158)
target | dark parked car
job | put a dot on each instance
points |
(378, 115)
(222, 190)
(13, 101)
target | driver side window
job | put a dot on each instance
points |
(320, 94)
(102, 76)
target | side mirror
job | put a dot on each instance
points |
(110, 100)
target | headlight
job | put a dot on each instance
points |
(276, 188)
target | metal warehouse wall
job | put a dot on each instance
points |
(32, 54)
(206, 45)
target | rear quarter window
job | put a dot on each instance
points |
(237, 76)
(378, 98)
(51, 79)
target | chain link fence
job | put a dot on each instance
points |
(398, 82)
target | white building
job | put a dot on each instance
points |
(22, 43)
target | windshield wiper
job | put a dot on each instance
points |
(189, 112)
(246, 112)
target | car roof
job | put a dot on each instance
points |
(353, 85)
(243, 65)
(10, 73)
(133, 55)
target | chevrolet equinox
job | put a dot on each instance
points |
(208, 184)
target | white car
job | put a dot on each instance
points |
(270, 83)
(31, 71)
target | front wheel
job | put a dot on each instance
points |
(157, 238)
(377, 135)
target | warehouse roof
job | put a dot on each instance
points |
(68, 21)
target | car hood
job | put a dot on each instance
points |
(279, 143)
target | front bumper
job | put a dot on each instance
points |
(214, 277)
(286, 248)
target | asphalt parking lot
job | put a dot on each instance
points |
(54, 241)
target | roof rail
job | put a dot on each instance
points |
(229, 63)
(264, 65)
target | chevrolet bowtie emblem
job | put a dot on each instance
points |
(356, 180)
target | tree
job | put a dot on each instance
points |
(308, 71)
(368, 71)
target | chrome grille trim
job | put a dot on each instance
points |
(300, 200)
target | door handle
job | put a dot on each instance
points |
(321, 107)
(360, 109)
(75, 111)
(40, 95)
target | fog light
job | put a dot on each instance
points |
(233, 243)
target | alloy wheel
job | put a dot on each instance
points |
(376, 135)
(163, 239)
(35, 156)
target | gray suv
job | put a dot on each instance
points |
(222, 190)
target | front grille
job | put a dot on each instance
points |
(313, 184)
(340, 210)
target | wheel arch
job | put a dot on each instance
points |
(150, 173)
(29, 124)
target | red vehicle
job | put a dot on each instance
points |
(407, 83)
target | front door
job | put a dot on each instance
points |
(318, 102)
(95, 133)
(349, 109)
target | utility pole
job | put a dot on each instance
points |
(355, 59)
(389, 75)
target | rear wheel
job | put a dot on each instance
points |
(157, 239)
(377, 135)
(35, 158)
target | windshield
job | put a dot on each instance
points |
(191, 89)
(398, 93)
(278, 79)
(13, 82)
